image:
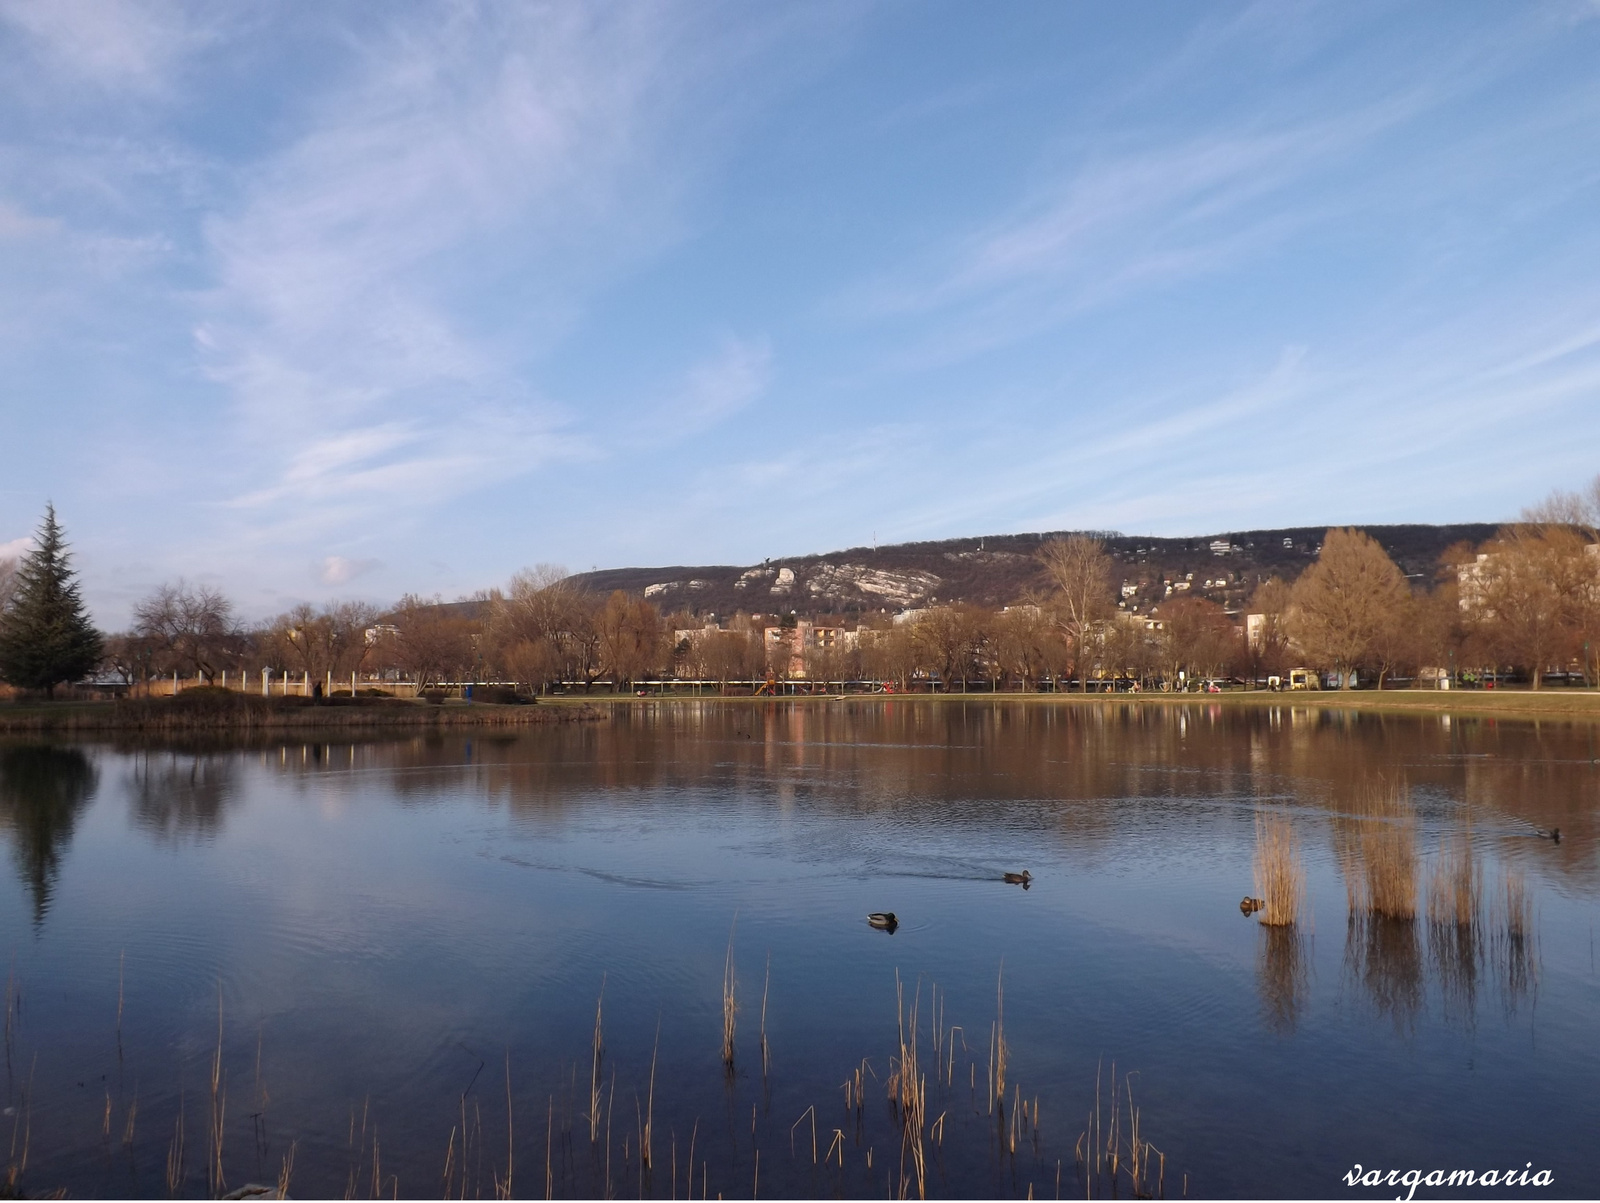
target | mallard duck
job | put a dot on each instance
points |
(883, 920)
(1019, 879)
(1251, 905)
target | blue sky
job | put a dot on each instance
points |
(345, 300)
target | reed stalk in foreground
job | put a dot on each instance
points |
(730, 1006)
(1001, 1049)
(219, 1109)
(1111, 1147)
(766, 1057)
(1280, 877)
(908, 1091)
(594, 1072)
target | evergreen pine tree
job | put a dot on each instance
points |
(45, 636)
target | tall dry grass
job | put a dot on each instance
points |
(1455, 889)
(1112, 1150)
(1377, 853)
(908, 1090)
(1280, 877)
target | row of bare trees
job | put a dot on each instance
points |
(1528, 600)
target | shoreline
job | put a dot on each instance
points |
(1567, 704)
(251, 715)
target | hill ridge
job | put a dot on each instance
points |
(995, 570)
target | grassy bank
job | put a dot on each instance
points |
(1569, 704)
(217, 710)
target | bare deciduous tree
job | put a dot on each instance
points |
(428, 641)
(1080, 571)
(1535, 588)
(949, 637)
(1024, 643)
(1342, 603)
(189, 629)
(1196, 638)
(629, 631)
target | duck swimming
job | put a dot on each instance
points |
(1251, 905)
(883, 921)
(1019, 879)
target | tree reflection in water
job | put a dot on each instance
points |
(43, 790)
(176, 795)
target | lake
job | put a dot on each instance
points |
(357, 954)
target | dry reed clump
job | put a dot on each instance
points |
(1455, 890)
(1280, 879)
(1378, 854)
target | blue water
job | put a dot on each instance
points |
(387, 930)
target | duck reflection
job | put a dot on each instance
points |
(43, 790)
(180, 795)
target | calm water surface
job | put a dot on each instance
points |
(386, 927)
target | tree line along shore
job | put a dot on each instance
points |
(1521, 610)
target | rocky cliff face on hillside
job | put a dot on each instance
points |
(1000, 569)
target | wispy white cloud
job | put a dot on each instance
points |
(344, 323)
(341, 570)
(116, 45)
(18, 224)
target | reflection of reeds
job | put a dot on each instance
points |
(1283, 976)
(1455, 915)
(1387, 956)
(1515, 945)
(1279, 876)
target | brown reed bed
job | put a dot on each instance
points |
(1280, 877)
(1377, 853)
(1455, 888)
